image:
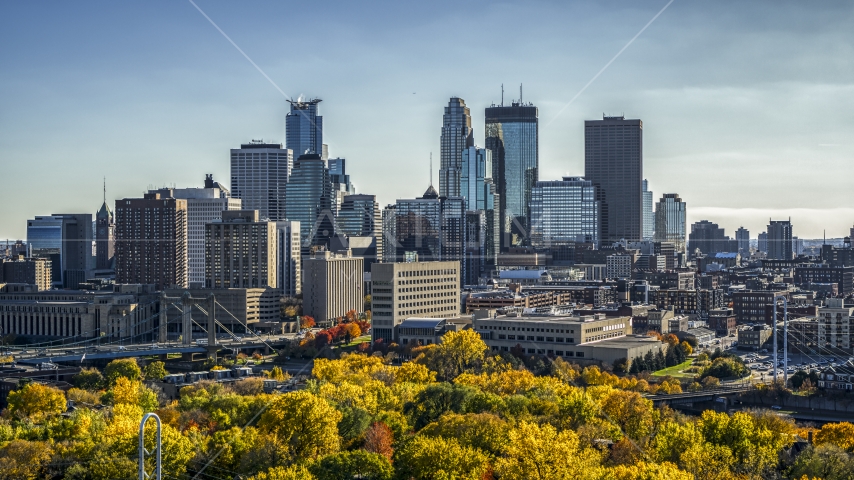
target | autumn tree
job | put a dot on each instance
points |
(379, 439)
(426, 457)
(36, 401)
(437, 399)
(306, 424)
(484, 431)
(24, 460)
(353, 464)
(131, 392)
(457, 353)
(306, 322)
(648, 471)
(839, 434)
(154, 371)
(124, 367)
(294, 472)
(351, 331)
(89, 379)
(826, 461)
(633, 413)
(537, 452)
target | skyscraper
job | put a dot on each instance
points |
(613, 161)
(742, 236)
(360, 220)
(762, 242)
(390, 233)
(151, 241)
(709, 238)
(564, 212)
(670, 214)
(432, 227)
(304, 128)
(512, 136)
(290, 258)
(105, 232)
(259, 174)
(65, 240)
(309, 194)
(341, 185)
(780, 240)
(456, 136)
(241, 251)
(648, 214)
(483, 220)
(204, 205)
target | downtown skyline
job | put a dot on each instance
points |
(738, 142)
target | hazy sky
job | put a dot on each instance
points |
(748, 107)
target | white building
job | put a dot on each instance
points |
(619, 265)
(834, 325)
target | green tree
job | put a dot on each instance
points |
(36, 401)
(89, 379)
(827, 462)
(436, 400)
(155, 371)
(124, 367)
(484, 431)
(439, 458)
(306, 424)
(294, 472)
(351, 465)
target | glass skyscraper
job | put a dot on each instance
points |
(613, 161)
(259, 174)
(456, 136)
(65, 240)
(304, 128)
(648, 214)
(512, 136)
(359, 216)
(309, 193)
(482, 217)
(564, 212)
(670, 217)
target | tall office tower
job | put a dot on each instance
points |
(670, 214)
(389, 233)
(762, 242)
(32, 271)
(304, 128)
(613, 161)
(151, 241)
(360, 220)
(564, 212)
(65, 240)
(797, 246)
(431, 228)
(648, 214)
(309, 193)
(290, 258)
(241, 251)
(341, 186)
(478, 257)
(412, 289)
(105, 233)
(709, 239)
(332, 285)
(512, 134)
(742, 236)
(204, 205)
(456, 136)
(259, 174)
(478, 190)
(780, 239)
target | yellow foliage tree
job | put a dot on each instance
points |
(634, 414)
(294, 472)
(132, 392)
(537, 452)
(839, 434)
(411, 372)
(508, 382)
(36, 401)
(459, 352)
(305, 423)
(426, 457)
(24, 460)
(648, 471)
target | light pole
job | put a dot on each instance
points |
(143, 475)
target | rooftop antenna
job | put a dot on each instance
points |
(502, 94)
(431, 169)
(105, 189)
(520, 94)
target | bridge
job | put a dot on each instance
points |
(726, 390)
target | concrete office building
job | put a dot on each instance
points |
(620, 265)
(512, 135)
(613, 161)
(403, 290)
(648, 212)
(309, 193)
(151, 241)
(31, 271)
(259, 174)
(780, 240)
(65, 240)
(762, 242)
(564, 212)
(204, 205)
(456, 136)
(742, 237)
(290, 258)
(304, 128)
(332, 285)
(670, 215)
(241, 251)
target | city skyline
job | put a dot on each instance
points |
(746, 143)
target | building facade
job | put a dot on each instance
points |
(65, 240)
(31, 271)
(780, 240)
(742, 237)
(332, 286)
(304, 127)
(512, 135)
(670, 215)
(410, 289)
(241, 251)
(648, 212)
(151, 241)
(613, 161)
(290, 258)
(360, 216)
(105, 234)
(309, 194)
(564, 212)
(709, 238)
(259, 175)
(457, 135)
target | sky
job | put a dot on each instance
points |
(748, 107)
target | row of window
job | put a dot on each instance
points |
(544, 351)
(532, 338)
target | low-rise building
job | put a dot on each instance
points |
(755, 338)
(722, 321)
(840, 377)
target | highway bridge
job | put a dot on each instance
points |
(708, 395)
